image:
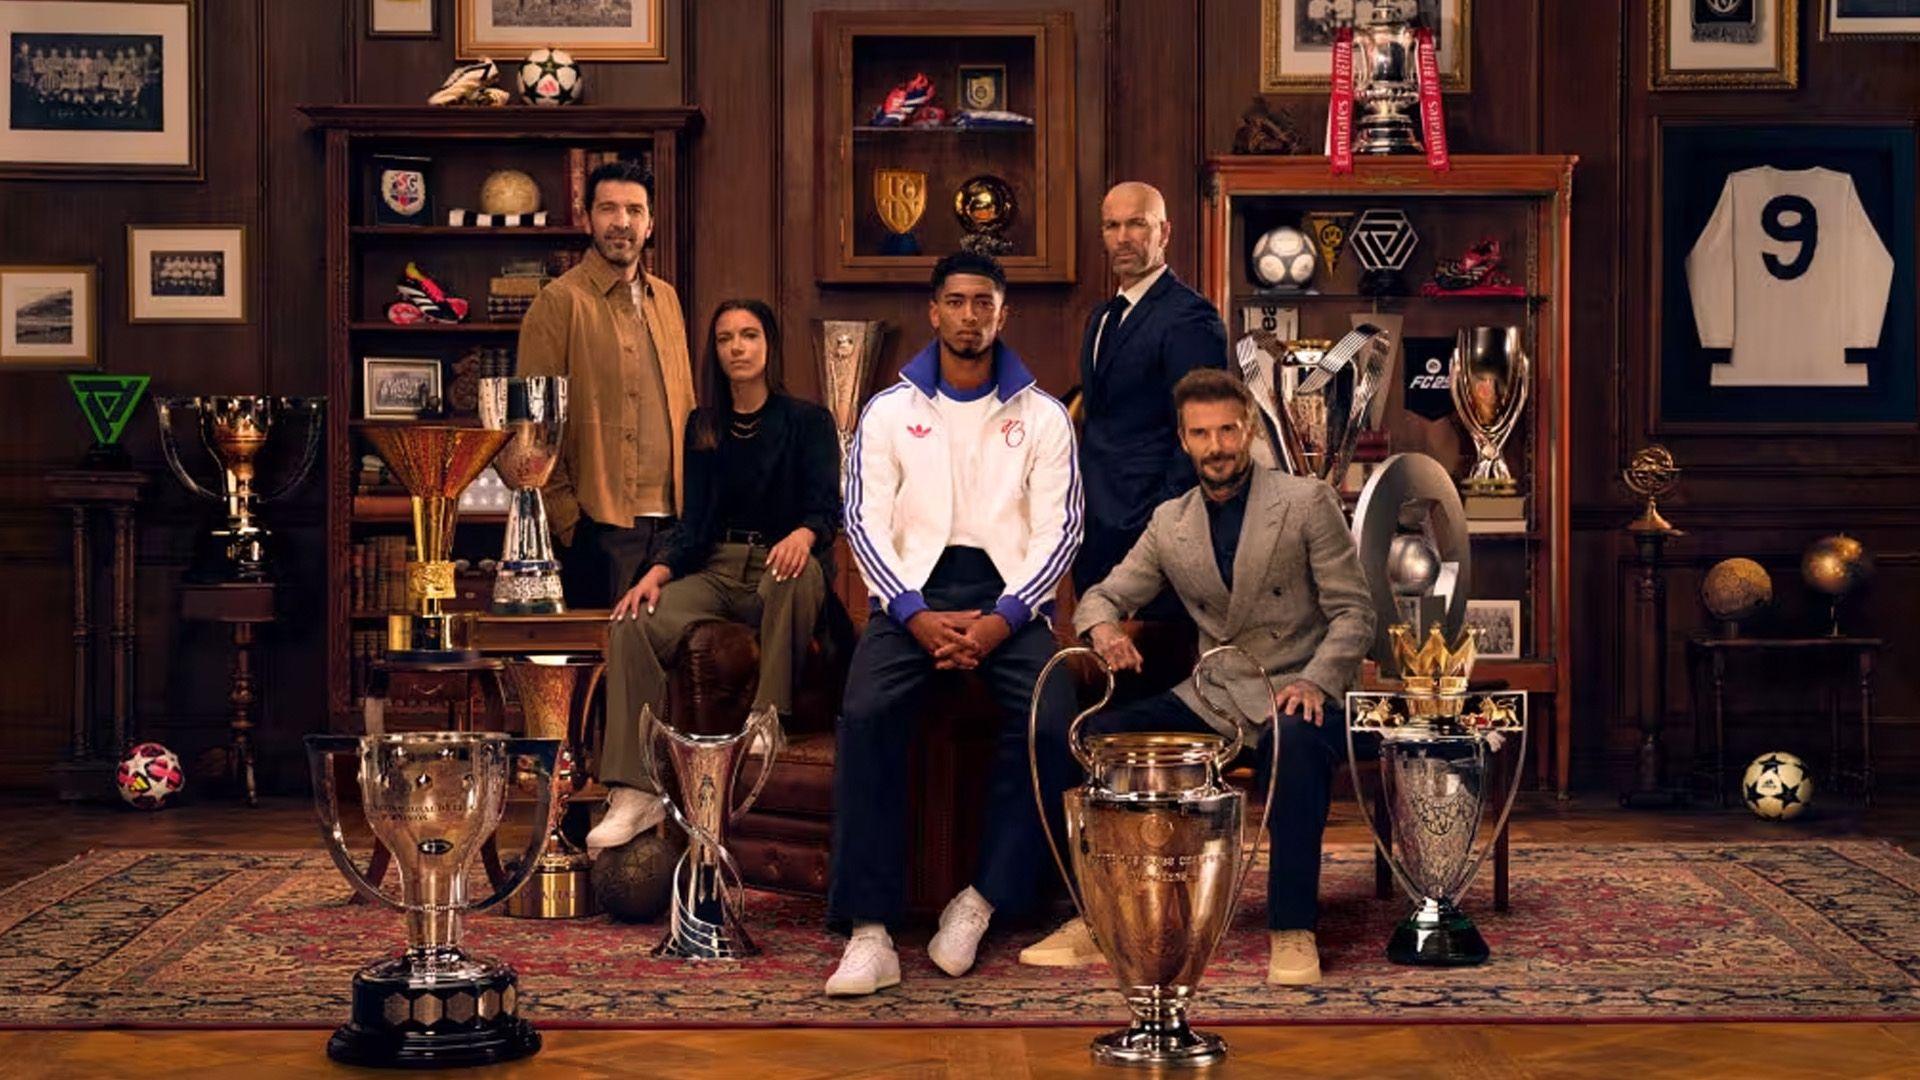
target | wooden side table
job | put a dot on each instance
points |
(242, 606)
(1707, 660)
(87, 771)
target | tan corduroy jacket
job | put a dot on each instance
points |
(581, 326)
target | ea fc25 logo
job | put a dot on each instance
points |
(1014, 431)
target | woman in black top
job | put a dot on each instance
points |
(762, 501)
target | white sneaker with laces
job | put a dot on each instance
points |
(1293, 959)
(630, 812)
(868, 964)
(963, 922)
(1069, 946)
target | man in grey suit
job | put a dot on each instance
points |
(1264, 561)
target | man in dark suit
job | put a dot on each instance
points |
(1136, 346)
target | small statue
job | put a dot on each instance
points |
(471, 84)
(1477, 273)
(1264, 131)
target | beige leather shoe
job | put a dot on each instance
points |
(1294, 959)
(1070, 946)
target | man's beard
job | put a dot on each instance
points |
(970, 354)
(603, 245)
(1231, 483)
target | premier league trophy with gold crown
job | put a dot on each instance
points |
(234, 430)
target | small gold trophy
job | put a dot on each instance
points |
(900, 197)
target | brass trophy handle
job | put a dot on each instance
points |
(170, 446)
(1228, 753)
(766, 721)
(1073, 744)
(312, 408)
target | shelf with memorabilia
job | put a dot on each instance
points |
(943, 133)
(406, 187)
(1426, 255)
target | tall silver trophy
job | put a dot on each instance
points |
(847, 351)
(1410, 532)
(432, 798)
(1386, 81)
(533, 411)
(1158, 857)
(1316, 395)
(706, 913)
(1490, 374)
(235, 430)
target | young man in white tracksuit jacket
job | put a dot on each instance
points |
(963, 510)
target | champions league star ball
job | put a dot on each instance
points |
(1777, 786)
(149, 775)
(550, 77)
(1283, 258)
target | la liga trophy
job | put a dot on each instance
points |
(235, 429)
(533, 413)
(554, 693)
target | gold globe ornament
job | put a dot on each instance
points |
(1735, 590)
(509, 191)
(986, 209)
(1652, 475)
(1836, 567)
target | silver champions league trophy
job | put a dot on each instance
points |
(1316, 395)
(533, 411)
(1490, 374)
(432, 798)
(1156, 841)
(706, 914)
(234, 429)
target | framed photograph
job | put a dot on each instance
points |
(49, 317)
(402, 19)
(1497, 625)
(1784, 278)
(596, 30)
(187, 273)
(398, 388)
(106, 88)
(1724, 44)
(1296, 42)
(983, 87)
(1870, 20)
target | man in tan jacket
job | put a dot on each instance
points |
(618, 334)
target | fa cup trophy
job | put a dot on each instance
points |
(1490, 373)
(533, 412)
(706, 915)
(1155, 836)
(1317, 396)
(234, 430)
(432, 798)
(435, 463)
(554, 693)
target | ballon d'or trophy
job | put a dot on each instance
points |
(435, 463)
(1490, 373)
(234, 430)
(706, 914)
(554, 693)
(533, 412)
(900, 198)
(847, 351)
(1155, 836)
(432, 798)
(986, 209)
(1435, 764)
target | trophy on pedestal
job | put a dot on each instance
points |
(899, 197)
(986, 209)
(1155, 835)
(1317, 396)
(432, 798)
(234, 430)
(554, 693)
(1383, 241)
(435, 463)
(533, 413)
(706, 913)
(1490, 373)
(108, 402)
(1386, 84)
(846, 351)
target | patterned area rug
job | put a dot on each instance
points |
(1803, 930)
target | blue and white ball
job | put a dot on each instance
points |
(550, 77)
(1283, 258)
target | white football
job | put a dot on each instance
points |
(1777, 786)
(1283, 258)
(550, 77)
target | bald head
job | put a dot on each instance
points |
(1134, 230)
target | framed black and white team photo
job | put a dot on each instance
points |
(187, 273)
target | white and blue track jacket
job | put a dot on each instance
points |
(899, 490)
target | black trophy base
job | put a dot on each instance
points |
(399, 1023)
(1437, 935)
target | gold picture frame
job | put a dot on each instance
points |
(35, 334)
(1778, 46)
(1290, 67)
(478, 32)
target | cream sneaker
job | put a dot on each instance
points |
(1294, 959)
(630, 812)
(1069, 946)
(962, 923)
(868, 964)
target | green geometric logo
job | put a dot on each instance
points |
(107, 401)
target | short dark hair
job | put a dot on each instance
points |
(969, 262)
(1210, 384)
(631, 172)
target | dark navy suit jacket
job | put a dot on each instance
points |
(1130, 456)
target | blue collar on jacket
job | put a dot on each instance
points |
(1010, 373)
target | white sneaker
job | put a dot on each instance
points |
(1294, 959)
(630, 812)
(869, 964)
(961, 925)
(1069, 946)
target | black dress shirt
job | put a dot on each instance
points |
(782, 474)
(1223, 522)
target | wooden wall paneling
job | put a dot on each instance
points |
(737, 236)
(1153, 128)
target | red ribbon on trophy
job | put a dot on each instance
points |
(1433, 126)
(1340, 105)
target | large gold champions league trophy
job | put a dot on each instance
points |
(554, 693)
(533, 412)
(432, 798)
(234, 429)
(1155, 836)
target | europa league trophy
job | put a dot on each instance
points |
(432, 798)
(533, 412)
(1435, 763)
(846, 351)
(706, 913)
(900, 197)
(1317, 396)
(554, 692)
(1155, 836)
(435, 463)
(234, 430)
(1490, 373)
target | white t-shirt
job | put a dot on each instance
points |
(1789, 273)
(966, 422)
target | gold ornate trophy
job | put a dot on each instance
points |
(533, 412)
(435, 463)
(234, 430)
(847, 351)
(432, 798)
(986, 209)
(1155, 836)
(554, 694)
(900, 198)
(1317, 395)
(1490, 373)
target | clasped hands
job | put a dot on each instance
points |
(1299, 696)
(958, 640)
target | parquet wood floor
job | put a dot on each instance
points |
(35, 835)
